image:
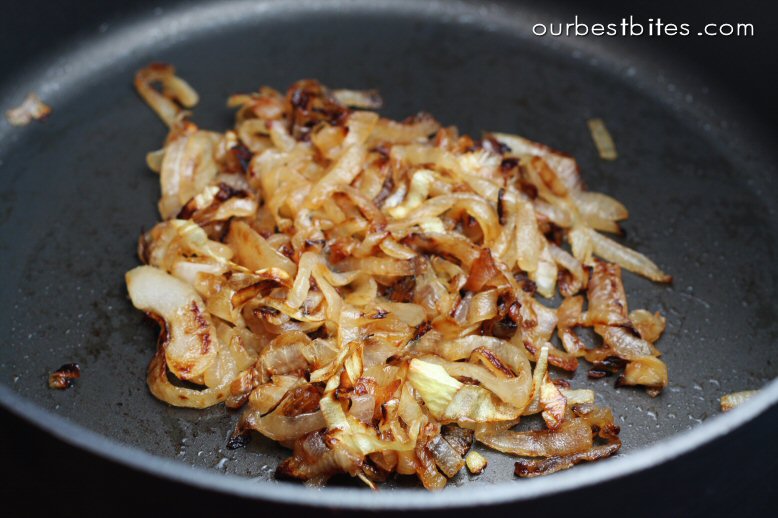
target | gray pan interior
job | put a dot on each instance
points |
(75, 193)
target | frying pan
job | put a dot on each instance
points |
(695, 174)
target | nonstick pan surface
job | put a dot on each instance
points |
(76, 193)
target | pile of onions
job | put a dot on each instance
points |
(365, 289)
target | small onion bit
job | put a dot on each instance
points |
(602, 139)
(32, 108)
(64, 377)
(735, 399)
(365, 289)
(476, 463)
(173, 94)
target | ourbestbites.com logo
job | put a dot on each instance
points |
(630, 27)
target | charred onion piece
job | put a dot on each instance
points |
(64, 377)
(527, 468)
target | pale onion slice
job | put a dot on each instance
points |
(624, 343)
(545, 275)
(462, 348)
(418, 192)
(600, 205)
(190, 341)
(187, 168)
(527, 239)
(650, 326)
(563, 165)
(358, 437)
(554, 404)
(279, 427)
(265, 397)
(415, 129)
(602, 139)
(435, 386)
(647, 371)
(627, 258)
(161, 387)
(473, 404)
(578, 396)
(342, 172)
(254, 252)
(365, 99)
(512, 390)
(572, 266)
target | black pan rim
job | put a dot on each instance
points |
(101, 445)
(397, 499)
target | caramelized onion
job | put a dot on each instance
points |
(573, 436)
(646, 371)
(649, 326)
(533, 467)
(366, 288)
(174, 92)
